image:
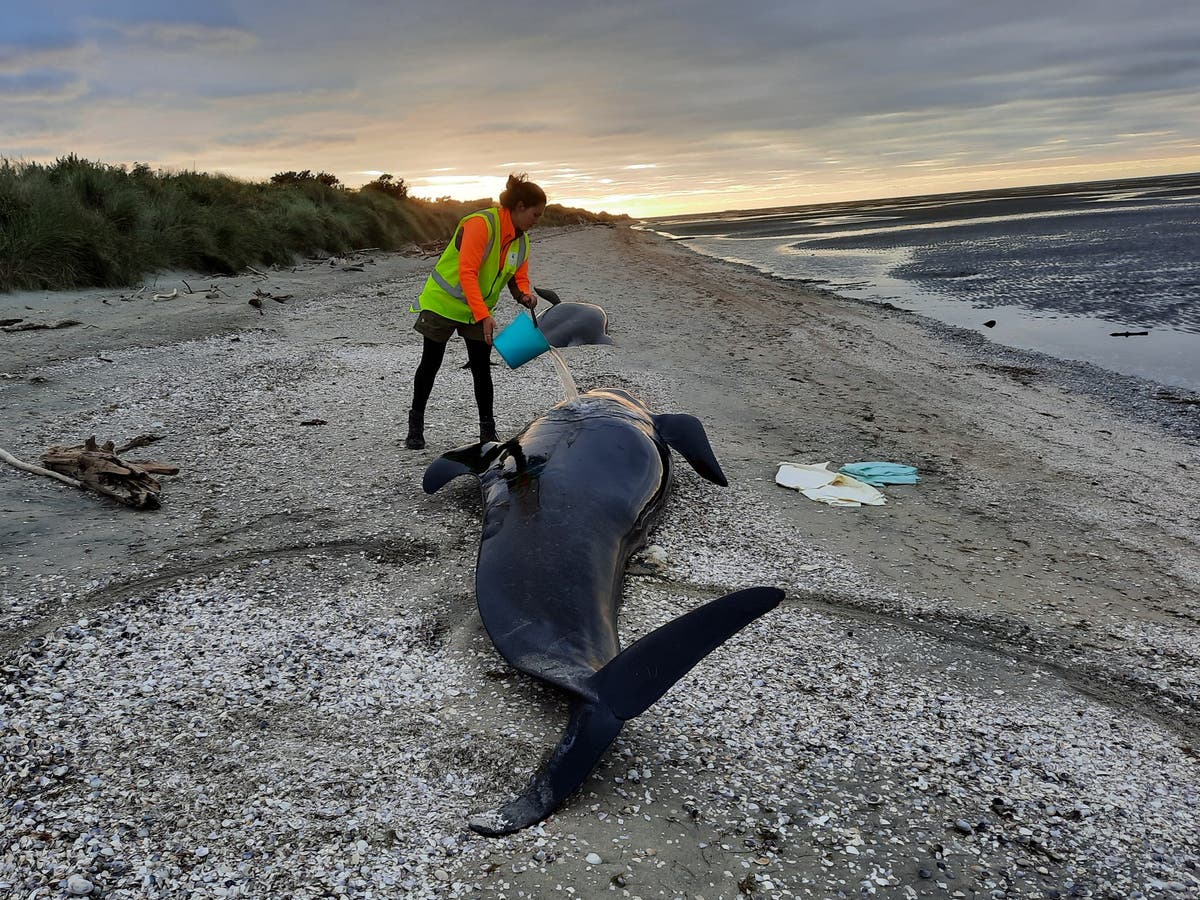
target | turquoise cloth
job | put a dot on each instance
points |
(877, 473)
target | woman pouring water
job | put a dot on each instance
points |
(490, 248)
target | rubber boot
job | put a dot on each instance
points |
(487, 431)
(416, 431)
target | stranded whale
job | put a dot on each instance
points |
(566, 503)
(569, 324)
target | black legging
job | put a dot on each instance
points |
(478, 358)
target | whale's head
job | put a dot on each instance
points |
(574, 324)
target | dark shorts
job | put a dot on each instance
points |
(439, 328)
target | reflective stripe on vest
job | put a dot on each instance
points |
(450, 296)
(493, 220)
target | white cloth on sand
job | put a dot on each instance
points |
(835, 488)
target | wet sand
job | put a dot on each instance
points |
(278, 683)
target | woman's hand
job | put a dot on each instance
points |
(489, 329)
(529, 301)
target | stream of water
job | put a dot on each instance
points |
(570, 391)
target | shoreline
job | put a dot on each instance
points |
(964, 259)
(993, 679)
(1156, 403)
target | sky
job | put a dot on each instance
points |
(648, 108)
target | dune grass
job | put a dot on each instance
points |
(76, 223)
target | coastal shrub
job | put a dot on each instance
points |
(389, 185)
(77, 223)
(56, 229)
(324, 178)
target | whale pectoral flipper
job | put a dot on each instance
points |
(472, 459)
(591, 729)
(686, 436)
(645, 670)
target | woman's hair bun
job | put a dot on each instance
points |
(519, 189)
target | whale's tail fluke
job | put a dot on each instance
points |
(641, 673)
(591, 729)
(626, 687)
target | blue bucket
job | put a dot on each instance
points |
(520, 341)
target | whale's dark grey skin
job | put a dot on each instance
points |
(573, 324)
(566, 502)
(568, 324)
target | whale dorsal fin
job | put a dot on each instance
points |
(472, 459)
(685, 435)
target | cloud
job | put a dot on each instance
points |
(182, 37)
(16, 60)
(41, 87)
(774, 96)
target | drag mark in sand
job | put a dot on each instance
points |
(1114, 688)
(140, 590)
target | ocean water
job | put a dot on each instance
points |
(1057, 269)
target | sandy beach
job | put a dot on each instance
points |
(278, 685)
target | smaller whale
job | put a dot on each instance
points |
(569, 324)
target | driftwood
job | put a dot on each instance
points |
(141, 440)
(267, 295)
(40, 326)
(98, 468)
(37, 470)
(425, 249)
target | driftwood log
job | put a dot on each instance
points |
(21, 325)
(36, 470)
(98, 468)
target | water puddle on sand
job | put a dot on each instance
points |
(570, 391)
